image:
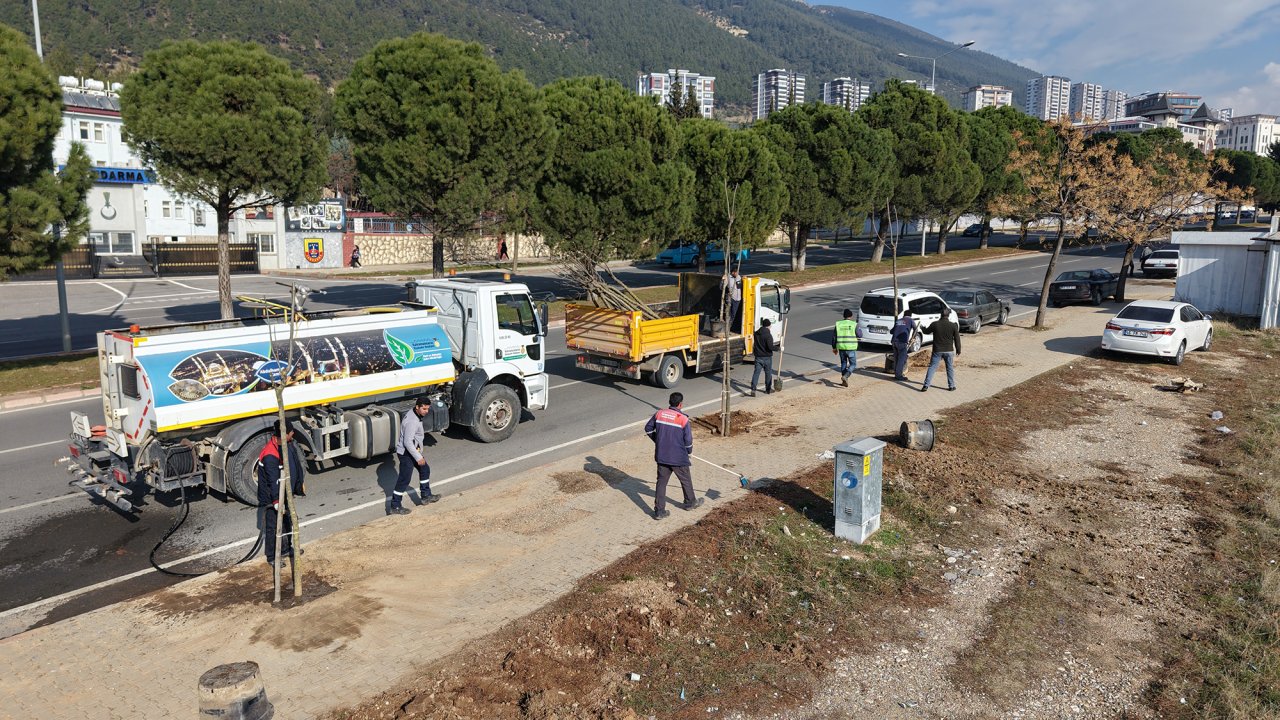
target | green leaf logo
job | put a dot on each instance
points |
(400, 351)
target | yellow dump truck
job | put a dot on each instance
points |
(686, 337)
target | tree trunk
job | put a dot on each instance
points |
(437, 256)
(515, 255)
(799, 246)
(1048, 273)
(984, 235)
(877, 249)
(223, 211)
(1126, 269)
(702, 257)
(944, 228)
(1022, 233)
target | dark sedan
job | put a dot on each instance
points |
(975, 230)
(1077, 286)
(976, 307)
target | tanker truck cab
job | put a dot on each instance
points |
(499, 348)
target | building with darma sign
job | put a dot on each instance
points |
(128, 208)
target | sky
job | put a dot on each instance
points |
(1223, 50)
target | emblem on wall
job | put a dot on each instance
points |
(313, 249)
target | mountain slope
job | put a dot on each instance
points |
(547, 39)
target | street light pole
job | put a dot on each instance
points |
(58, 271)
(933, 64)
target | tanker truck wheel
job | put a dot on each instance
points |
(242, 470)
(497, 414)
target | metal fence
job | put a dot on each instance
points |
(199, 258)
(78, 262)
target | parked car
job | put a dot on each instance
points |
(1161, 262)
(1076, 286)
(877, 314)
(681, 253)
(1227, 215)
(1158, 327)
(975, 307)
(1248, 216)
(975, 230)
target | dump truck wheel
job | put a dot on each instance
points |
(497, 414)
(670, 371)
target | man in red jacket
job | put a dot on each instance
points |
(672, 436)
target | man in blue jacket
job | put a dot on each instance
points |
(269, 471)
(672, 436)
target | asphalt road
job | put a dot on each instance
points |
(29, 322)
(56, 544)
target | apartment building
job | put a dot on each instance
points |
(848, 93)
(776, 89)
(659, 85)
(1249, 133)
(1049, 97)
(1113, 104)
(1087, 102)
(981, 96)
(1150, 104)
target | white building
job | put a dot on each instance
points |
(1250, 133)
(127, 207)
(980, 96)
(1087, 102)
(776, 89)
(1048, 97)
(848, 93)
(1113, 104)
(1198, 135)
(659, 85)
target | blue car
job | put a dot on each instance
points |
(681, 254)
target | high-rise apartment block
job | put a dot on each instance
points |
(776, 89)
(660, 85)
(1113, 104)
(1049, 97)
(980, 96)
(1250, 133)
(1087, 102)
(848, 93)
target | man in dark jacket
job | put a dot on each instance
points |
(763, 352)
(269, 470)
(946, 346)
(672, 436)
(903, 332)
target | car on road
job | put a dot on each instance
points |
(976, 229)
(975, 307)
(1160, 328)
(1248, 216)
(680, 254)
(1077, 286)
(1161, 263)
(877, 314)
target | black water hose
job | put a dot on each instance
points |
(177, 523)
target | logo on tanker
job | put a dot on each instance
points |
(401, 351)
(313, 249)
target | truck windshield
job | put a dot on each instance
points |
(515, 312)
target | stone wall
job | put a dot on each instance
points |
(410, 249)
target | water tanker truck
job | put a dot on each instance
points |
(194, 403)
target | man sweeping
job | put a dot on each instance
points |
(672, 434)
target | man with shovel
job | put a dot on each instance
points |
(672, 434)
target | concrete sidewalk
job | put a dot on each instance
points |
(411, 590)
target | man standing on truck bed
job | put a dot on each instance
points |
(409, 450)
(764, 358)
(672, 436)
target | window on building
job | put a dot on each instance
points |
(84, 130)
(178, 210)
(166, 209)
(122, 242)
(146, 209)
(99, 132)
(266, 242)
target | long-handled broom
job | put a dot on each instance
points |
(742, 479)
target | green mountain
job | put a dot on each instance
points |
(547, 39)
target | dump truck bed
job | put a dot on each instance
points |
(626, 335)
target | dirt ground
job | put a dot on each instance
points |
(1066, 550)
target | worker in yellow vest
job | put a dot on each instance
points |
(844, 342)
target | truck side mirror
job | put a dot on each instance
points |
(544, 317)
(786, 300)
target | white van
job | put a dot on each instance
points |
(876, 314)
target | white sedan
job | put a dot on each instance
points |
(1160, 328)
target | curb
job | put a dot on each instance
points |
(27, 401)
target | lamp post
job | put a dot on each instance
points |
(933, 69)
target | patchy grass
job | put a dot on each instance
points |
(861, 269)
(77, 371)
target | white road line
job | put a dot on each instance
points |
(42, 406)
(71, 594)
(28, 447)
(575, 382)
(959, 279)
(830, 302)
(1033, 282)
(46, 501)
(1005, 272)
(192, 287)
(122, 295)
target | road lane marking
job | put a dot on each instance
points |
(122, 295)
(381, 501)
(1005, 272)
(28, 447)
(192, 287)
(575, 382)
(46, 501)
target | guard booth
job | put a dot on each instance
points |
(859, 473)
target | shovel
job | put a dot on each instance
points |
(777, 382)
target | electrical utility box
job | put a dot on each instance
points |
(859, 476)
